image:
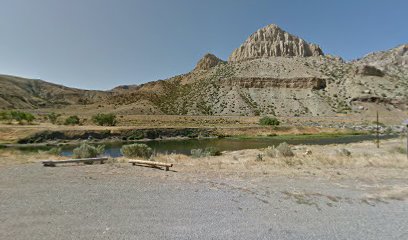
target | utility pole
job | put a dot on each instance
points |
(378, 134)
(406, 132)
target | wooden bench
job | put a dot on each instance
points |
(151, 163)
(52, 163)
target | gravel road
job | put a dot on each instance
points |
(127, 202)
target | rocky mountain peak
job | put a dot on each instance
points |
(393, 61)
(272, 41)
(208, 61)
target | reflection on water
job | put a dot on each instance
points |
(227, 144)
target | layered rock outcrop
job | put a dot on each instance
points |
(264, 82)
(272, 41)
(369, 71)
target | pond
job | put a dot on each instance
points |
(230, 144)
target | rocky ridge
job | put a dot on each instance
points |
(208, 61)
(272, 41)
(393, 61)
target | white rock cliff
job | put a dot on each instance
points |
(272, 41)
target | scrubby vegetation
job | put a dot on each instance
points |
(400, 150)
(269, 121)
(259, 157)
(55, 151)
(136, 150)
(19, 116)
(282, 150)
(343, 152)
(72, 120)
(103, 119)
(210, 151)
(86, 150)
(53, 117)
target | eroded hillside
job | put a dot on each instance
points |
(312, 86)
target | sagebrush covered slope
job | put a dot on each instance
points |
(282, 86)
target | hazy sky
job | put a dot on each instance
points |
(99, 44)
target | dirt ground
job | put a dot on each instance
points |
(365, 161)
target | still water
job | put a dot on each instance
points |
(227, 144)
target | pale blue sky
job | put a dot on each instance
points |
(99, 44)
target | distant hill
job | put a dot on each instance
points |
(17, 92)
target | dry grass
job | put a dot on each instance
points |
(173, 158)
(14, 157)
(361, 155)
(313, 159)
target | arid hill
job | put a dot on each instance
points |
(295, 80)
(16, 92)
(273, 72)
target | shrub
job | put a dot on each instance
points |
(343, 152)
(55, 151)
(103, 119)
(197, 153)
(88, 151)
(112, 161)
(18, 116)
(257, 112)
(271, 151)
(136, 150)
(400, 150)
(269, 121)
(259, 157)
(29, 117)
(210, 151)
(135, 135)
(282, 150)
(5, 116)
(52, 151)
(72, 120)
(53, 117)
